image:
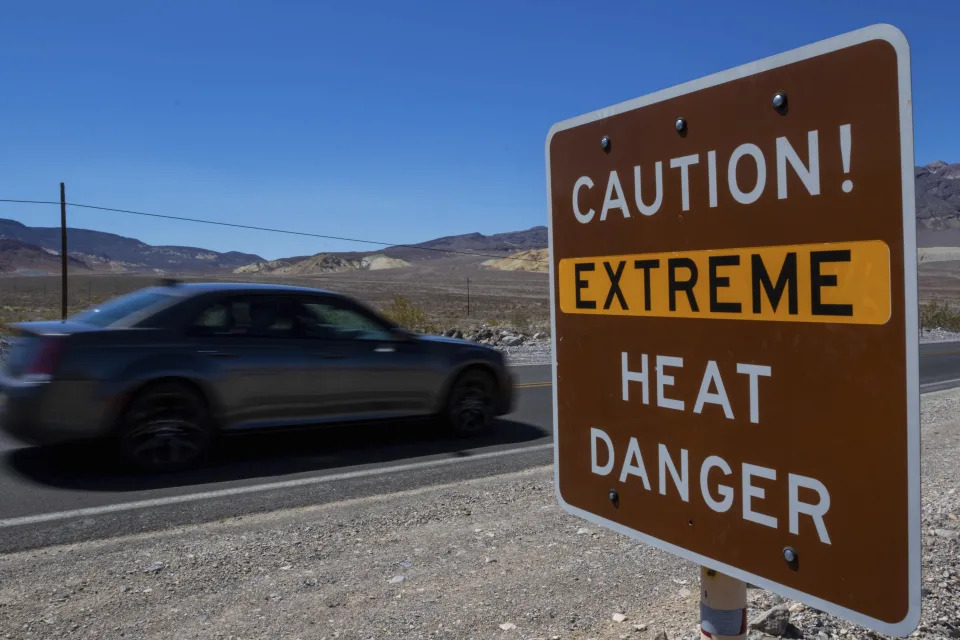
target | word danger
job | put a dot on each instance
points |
(715, 483)
(648, 200)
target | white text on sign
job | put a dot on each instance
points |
(806, 496)
(787, 158)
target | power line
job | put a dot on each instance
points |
(268, 229)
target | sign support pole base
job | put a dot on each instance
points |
(723, 606)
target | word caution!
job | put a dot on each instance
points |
(649, 201)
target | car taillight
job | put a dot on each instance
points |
(46, 358)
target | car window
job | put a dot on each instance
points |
(335, 320)
(122, 308)
(261, 316)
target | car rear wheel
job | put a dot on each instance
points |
(470, 408)
(166, 427)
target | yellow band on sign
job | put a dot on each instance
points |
(838, 282)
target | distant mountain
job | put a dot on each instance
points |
(111, 252)
(321, 263)
(938, 204)
(17, 256)
(498, 243)
(938, 225)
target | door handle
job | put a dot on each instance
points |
(385, 349)
(216, 354)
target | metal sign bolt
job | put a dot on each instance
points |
(780, 100)
(680, 125)
(614, 498)
(605, 143)
(790, 555)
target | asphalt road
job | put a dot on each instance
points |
(69, 494)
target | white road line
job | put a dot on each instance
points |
(938, 383)
(235, 491)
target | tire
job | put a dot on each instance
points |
(470, 405)
(167, 427)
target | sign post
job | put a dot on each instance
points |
(734, 309)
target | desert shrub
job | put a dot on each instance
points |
(406, 314)
(938, 314)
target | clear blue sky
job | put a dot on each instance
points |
(400, 121)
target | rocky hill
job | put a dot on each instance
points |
(938, 204)
(498, 243)
(20, 257)
(319, 264)
(534, 260)
(110, 252)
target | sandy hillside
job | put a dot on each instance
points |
(534, 260)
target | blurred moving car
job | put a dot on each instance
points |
(162, 371)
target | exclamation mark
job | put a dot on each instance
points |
(847, 185)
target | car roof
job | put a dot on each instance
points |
(194, 288)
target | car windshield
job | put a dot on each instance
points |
(112, 312)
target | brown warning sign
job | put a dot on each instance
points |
(733, 277)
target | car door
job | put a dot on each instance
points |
(265, 373)
(367, 371)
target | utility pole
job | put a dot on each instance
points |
(63, 252)
(468, 297)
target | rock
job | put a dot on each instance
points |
(508, 626)
(396, 579)
(685, 593)
(540, 335)
(949, 534)
(662, 635)
(773, 621)
(512, 341)
(582, 531)
(640, 628)
(156, 567)
(619, 617)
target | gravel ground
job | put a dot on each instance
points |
(491, 558)
(533, 352)
(938, 335)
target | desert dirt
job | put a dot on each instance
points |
(489, 558)
(509, 297)
(438, 286)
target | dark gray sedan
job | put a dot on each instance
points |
(162, 371)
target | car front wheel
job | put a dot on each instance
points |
(470, 409)
(166, 427)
